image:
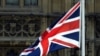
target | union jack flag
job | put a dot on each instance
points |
(63, 33)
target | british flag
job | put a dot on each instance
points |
(63, 33)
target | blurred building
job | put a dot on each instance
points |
(22, 21)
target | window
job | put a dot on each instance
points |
(30, 2)
(97, 27)
(12, 2)
(0, 2)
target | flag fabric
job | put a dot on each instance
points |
(64, 33)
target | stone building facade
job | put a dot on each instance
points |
(22, 21)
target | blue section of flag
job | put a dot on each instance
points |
(75, 14)
(55, 47)
(74, 36)
(35, 52)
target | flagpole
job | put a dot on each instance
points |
(82, 11)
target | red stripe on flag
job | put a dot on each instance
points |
(69, 26)
(45, 46)
(44, 34)
(65, 27)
